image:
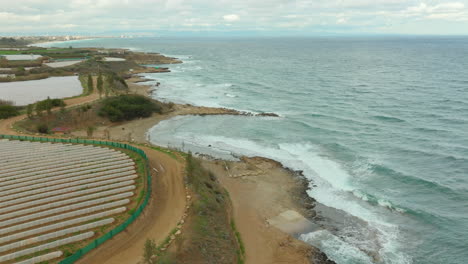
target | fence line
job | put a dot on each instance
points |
(97, 242)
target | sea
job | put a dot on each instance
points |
(379, 125)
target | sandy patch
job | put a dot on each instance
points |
(267, 206)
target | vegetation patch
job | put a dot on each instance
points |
(7, 109)
(209, 234)
(128, 107)
(40, 120)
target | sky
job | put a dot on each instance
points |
(267, 17)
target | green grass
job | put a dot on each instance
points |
(211, 225)
(43, 51)
(10, 52)
(241, 250)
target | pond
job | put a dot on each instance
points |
(27, 92)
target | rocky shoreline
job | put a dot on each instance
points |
(297, 191)
(252, 171)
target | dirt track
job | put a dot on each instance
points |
(161, 215)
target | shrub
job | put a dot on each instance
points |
(7, 111)
(49, 103)
(43, 128)
(5, 102)
(128, 107)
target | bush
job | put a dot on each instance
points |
(43, 129)
(5, 102)
(49, 103)
(7, 111)
(128, 107)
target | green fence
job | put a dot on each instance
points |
(81, 252)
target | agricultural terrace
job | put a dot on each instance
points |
(56, 198)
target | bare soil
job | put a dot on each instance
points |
(161, 215)
(261, 189)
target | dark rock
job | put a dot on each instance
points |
(320, 258)
(209, 186)
(268, 114)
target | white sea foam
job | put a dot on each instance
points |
(334, 185)
(335, 248)
(178, 56)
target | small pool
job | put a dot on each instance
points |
(23, 93)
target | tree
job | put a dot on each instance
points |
(90, 84)
(38, 110)
(128, 107)
(7, 111)
(48, 105)
(100, 85)
(29, 110)
(109, 83)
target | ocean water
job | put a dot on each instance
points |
(379, 126)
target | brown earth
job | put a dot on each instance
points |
(161, 215)
(261, 189)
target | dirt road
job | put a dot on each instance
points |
(161, 215)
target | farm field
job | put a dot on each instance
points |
(56, 198)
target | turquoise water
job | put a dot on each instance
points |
(379, 125)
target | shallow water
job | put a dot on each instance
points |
(379, 125)
(23, 93)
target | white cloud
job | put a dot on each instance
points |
(103, 16)
(341, 21)
(231, 18)
(455, 11)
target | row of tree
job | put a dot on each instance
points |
(101, 86)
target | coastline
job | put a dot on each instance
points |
(34, 44)
(285, 188)
(282, 191)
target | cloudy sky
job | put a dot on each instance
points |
(300, 17)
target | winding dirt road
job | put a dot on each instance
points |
(161, 215)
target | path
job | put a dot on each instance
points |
(161, 215)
